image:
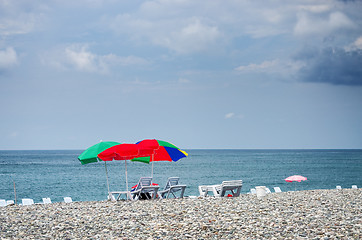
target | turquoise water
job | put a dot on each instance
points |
(56, 174)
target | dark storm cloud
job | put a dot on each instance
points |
(331, 65)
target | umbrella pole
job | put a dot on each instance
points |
(152, 167)
(15, 192)
(125, 162)
(105, 166)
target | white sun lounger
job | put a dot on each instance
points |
(354, 187)
(145, 188)
(171, 187)
(47, 201)
(277, 190)
(10, 202)
(252, 191)
(68, 199)
(219, 190)
(27, 201)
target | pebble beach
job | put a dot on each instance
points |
(314, 214)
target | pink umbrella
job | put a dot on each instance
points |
(295, 178)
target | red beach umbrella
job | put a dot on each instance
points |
(124, 151)
(295, 178)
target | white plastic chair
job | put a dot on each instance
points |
(338, 187)
(27, 201)
(2, 203)
(220, 190)
(252, 191)
(145, 187)
(277, 190)
(354, 186)
(68, 199)
(171, 187)
(267, 190)
(47, 201)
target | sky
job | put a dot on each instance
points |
(200, 74)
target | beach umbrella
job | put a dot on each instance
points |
(295, 178)
(90, 155)
(124, 151)
(158, 150)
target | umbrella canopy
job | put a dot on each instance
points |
(90, 155)
(124, 151)
(157, 150)
(295, 178)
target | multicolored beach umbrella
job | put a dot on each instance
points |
(157, 150)
(90, 155)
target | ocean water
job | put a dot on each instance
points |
(57, 174)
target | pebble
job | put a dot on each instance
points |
(316, 214)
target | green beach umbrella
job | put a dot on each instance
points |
(90, 155)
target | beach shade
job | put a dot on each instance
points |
(90, 155)
(124, 151)
(158, 150)
(295, 178)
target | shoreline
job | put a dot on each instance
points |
(287, 215)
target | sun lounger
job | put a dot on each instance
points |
(68, 199)
(252, 191)
(47, 201)
(27, 201)
(277, 190)
(145, 188)
(10, 202)
(2, 203)
(338, 187)
(219, 190)
(172, 187)
(354, 187)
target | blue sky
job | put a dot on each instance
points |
(215, 74)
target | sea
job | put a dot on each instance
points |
(58, 173)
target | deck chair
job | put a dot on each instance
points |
(338, 187)
(145, 188)
(219, 190)
(27, 201)
(47, 201)
(171, 187)
(10, 202)
(2, 203)
(68, 199)
(277, 190)
(354, 186)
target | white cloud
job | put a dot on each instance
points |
(229, 115)
(355, 45)
(233, 115)
(321, 25)
(8, 57)
(262, 67)
(79, 57)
